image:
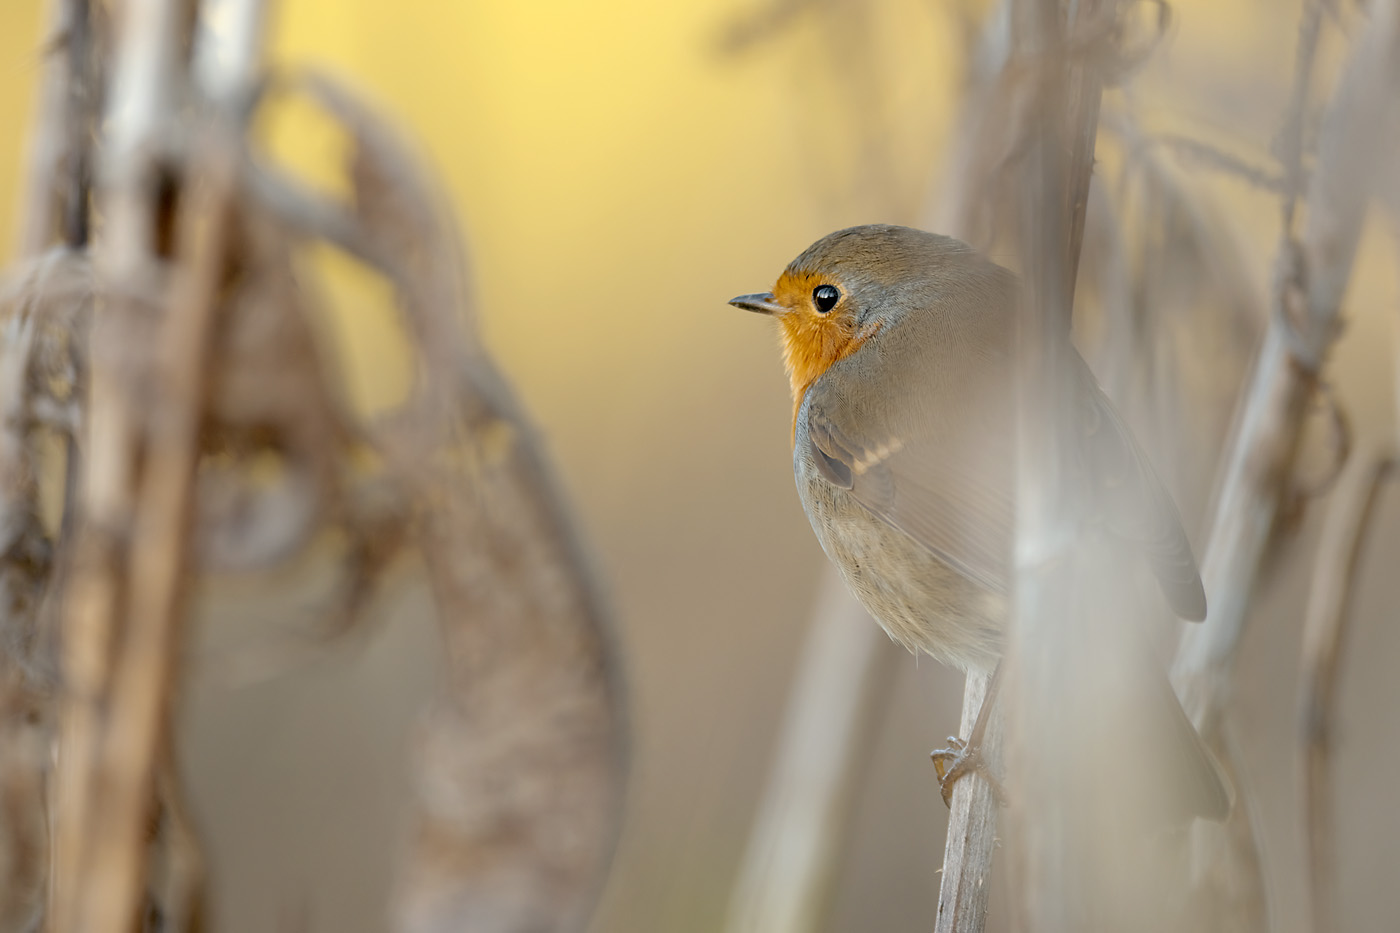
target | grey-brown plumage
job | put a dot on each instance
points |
(925, 442)
(899, 346)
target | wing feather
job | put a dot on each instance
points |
(939, 467)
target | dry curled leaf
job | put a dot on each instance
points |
(520, 768)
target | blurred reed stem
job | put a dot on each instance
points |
(112, 676)
(1325, 632)
(799, 834)
(1048, 673)
(1313, 272)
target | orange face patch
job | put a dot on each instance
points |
(813, 341)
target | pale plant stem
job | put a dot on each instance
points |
(37, 221)
(798, 837)
(1061, 113)
(95, 867)
(1301, 330)
(1314, 272)
(144, 669)
(972, 829)
(1325, 632)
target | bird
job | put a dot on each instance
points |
(899, 347)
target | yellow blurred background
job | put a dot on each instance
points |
(618, 178)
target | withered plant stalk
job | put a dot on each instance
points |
(1313, 273)
(1325, 632)
(203, 353)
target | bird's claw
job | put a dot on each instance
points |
(956, 762)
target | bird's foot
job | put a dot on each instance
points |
(959, 760)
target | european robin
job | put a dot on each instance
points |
(898, 345)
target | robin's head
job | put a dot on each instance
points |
(848, 285)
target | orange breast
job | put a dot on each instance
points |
(811, 345)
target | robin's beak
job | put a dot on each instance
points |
(763, 304)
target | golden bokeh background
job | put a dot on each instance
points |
(618, 177)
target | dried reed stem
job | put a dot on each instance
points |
(37, 218)
(54, 194)
(228, 48)
(26, 694)
(1260, 462)
(1054, 179)
(1304, 323)
(59, 166)
(1061, 105)
(1289, 144)
(799, 834)
(143, 671)
(1084, 94)
(972, 829)
(1324, 638)
(1064, 105)
(116, 681)
(522, 765)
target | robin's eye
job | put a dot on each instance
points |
(825, 297)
